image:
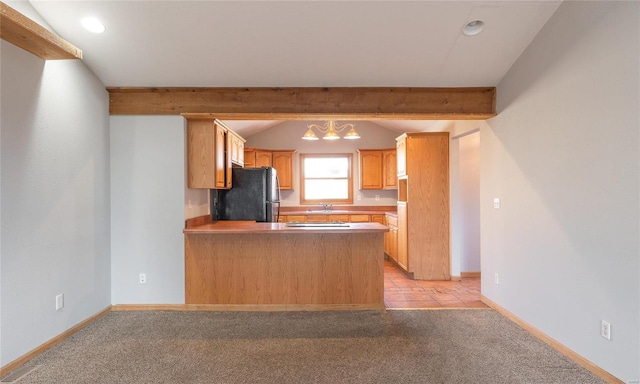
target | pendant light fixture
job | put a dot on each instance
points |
(330, 131)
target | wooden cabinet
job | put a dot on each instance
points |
(293, 218)
(389, 169)
(401, 156)
(423, 205)
(378, 219)
(235, 144)
(377, 168)
(283, 163)
(280, 159)
(391, 238)
(402, 244)
(319, 217)
(370, 163)
(359, 218)
(263, 159)
(208, 161)
(249, 157)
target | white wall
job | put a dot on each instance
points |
(55, 198)
(563, 156)
(147, 209)
(288, 136)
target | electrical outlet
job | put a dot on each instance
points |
(377, 197)
(605, 329)
(496, 203)
(59, 301)
(143, 278)
(496, 278)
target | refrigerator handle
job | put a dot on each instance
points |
(278, 198)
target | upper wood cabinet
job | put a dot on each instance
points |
(401, 155)
(263, 158)
(370, 163)
(235, 143)
(280, 159)
(389, 169)
(209, 153)
(377, 168)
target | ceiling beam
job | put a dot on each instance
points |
(365, 103)
(25, 33)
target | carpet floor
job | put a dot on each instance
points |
(424, 346)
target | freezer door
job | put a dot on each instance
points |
(247, 198)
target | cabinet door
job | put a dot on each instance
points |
(391, 243)
(370, 162)
(283, 163)
(359, 218)
(207, 165)
(387, 243)
(249, 158)
(401, 155)
(336, 218)
(377, 219)
(263, 159)
(403, 254)
(393, 247)
(222, 161)
(295, 218)
(317, 218)
(389, 169)
(236, 145)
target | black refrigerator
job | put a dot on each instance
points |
(254, 195)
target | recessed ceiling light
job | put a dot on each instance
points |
(92, 24)
(472, 28)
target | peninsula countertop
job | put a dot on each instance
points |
(244, 227)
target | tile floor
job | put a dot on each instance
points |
(402, 292)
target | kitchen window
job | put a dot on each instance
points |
(326, 179)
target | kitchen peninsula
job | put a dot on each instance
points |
(242, 265)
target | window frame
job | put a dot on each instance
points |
(348, 200)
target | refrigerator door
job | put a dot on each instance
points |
(273, 195)
(247, 198)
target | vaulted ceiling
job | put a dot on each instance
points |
(299, 43)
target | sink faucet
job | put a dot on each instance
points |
(327, 207)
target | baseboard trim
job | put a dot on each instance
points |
(246, 307)
(604, 375)
(52, 342)
(469, 274)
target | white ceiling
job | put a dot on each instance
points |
(299, 43)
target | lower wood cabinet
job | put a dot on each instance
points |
(391, 238)
(378, 219)
(403, 245)
(360, 218)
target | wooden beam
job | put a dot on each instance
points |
(25, 33)
(308, 103)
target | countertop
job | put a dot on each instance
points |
(334, 212)
(245, 227)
